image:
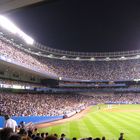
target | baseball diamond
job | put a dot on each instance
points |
(94, 123)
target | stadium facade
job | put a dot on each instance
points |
(61, 71)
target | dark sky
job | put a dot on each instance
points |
(83, 25)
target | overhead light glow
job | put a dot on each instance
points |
(77, 58)
(60, 78)
(138, 56)
(92, 58)
(107, 58)
(50, 55)
(63, 57)
(123, 57)
(8, 25)
(25, 37)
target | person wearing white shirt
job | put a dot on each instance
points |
(10, 123)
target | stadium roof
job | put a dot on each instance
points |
(8, 5)
(82, 26)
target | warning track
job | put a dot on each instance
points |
(76, 116)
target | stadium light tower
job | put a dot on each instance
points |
(11, 27)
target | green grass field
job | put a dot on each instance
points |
(103, 122)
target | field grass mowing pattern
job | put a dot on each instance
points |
(103, 122)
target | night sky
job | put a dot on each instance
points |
(83, 25)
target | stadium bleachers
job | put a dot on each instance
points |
(81, 70)
(39, 108)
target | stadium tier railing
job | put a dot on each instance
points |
(86, 54)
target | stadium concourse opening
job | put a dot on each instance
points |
(55, 94)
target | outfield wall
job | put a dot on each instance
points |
(33, 119)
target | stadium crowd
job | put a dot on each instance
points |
(16, 55)
(23, 134)
(97, 70)
(82, 70)
(57, 104)
(40, 104)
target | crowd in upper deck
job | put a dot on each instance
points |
(83, 70)
(22, 58)
(97, 70)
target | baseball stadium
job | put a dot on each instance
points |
(50, 94)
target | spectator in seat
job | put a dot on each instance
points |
(5, 133)
(10, 123)
(121, 136)
(74, 138)
(63, 137)
(103, 138)
(15, 137)
(51, 137)
(35, 131)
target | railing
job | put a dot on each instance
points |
(85, 54)
(46, 51)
